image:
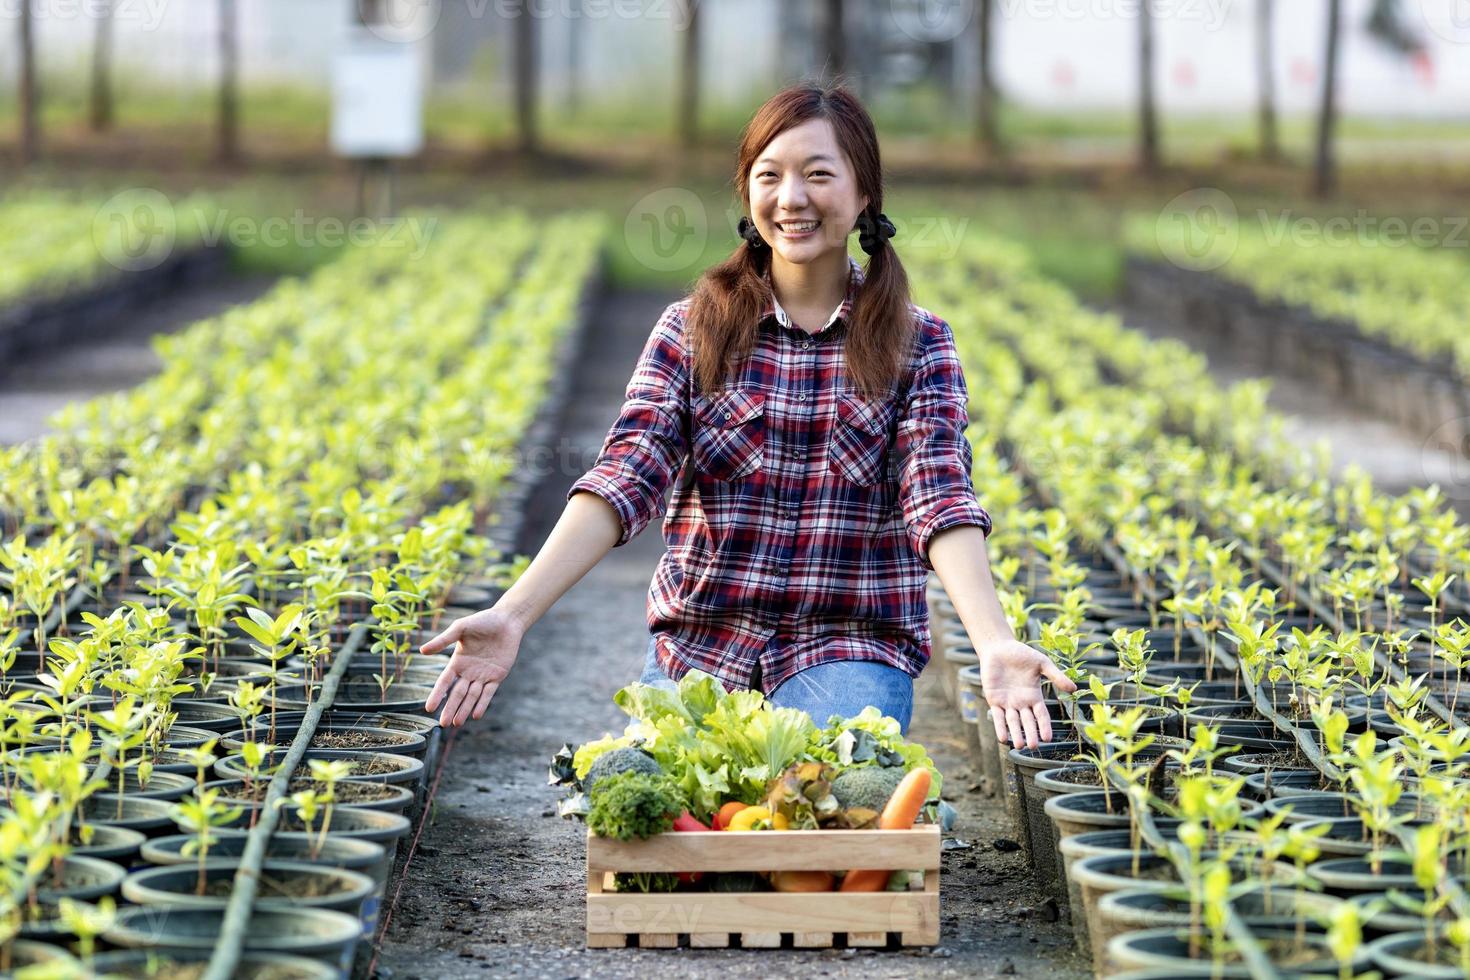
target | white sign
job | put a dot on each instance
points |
(377, 97)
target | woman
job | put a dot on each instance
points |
(810, 421)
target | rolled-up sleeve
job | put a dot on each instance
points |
(935, 458)
(646, 446)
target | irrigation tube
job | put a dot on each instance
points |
(231, 940)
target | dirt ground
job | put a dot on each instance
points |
(497, 886)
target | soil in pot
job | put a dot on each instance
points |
(347, 792)
(283, 885)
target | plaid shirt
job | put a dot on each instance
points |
(801, 514)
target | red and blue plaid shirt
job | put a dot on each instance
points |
(801, 514)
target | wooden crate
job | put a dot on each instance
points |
(762, 919)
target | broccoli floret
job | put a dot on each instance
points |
(617, 761)
(866, 787)
(645, 881)
(634, 805)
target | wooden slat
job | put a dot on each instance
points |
(811, 940)
(658, 940)
(867, 939)
(709, 940)
(607, 940)
(760, 940)
(796, 850)
(870, 912)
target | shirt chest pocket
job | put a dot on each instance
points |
(859, 445)
(730, 437)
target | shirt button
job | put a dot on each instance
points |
(805, 344)
(727, 415)
(801, 397)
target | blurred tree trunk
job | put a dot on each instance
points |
(835, 27)
(1148, 117)
(100, 107)
(572, 71)
(987, 125)
(1266, 79)
(689, 74)
(228, 146)
(1326, 176)
(524, 42)
(30, 119)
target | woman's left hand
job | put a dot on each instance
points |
(1010, 673)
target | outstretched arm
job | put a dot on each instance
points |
(486, 644)
(1010, 671)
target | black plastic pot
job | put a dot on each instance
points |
(321, 934)
(376, 739)
(396, 769)
(26, 953)
(1287, 782)
(150, 817)
(359, 692)
(174, 886)
(386, 797)
(1405, 955)
(116, 844)
(1149, 908)
(142, 964)
(1168, 948)
(82, 878)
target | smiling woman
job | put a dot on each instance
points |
(810, 421)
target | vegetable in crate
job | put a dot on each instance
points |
(619, 761)
(867, 787)
(633, 805)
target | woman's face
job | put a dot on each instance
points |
(803, 195)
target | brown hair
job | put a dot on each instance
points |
(722, 317)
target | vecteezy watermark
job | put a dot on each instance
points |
(667, 229)
(1362, 228)
(1444, 458)
(405, 21)
(1449, 19)
(932, 21)
(413, 20)
(140, 228)
(147, 14)
(1198, 230)
(1201, 229)
(1211, 13)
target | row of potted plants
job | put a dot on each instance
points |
(1408, 296)
(1235, 747)
(189, 612)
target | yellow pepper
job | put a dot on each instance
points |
(758, 818)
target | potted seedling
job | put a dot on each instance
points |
(276, 638)
(327, 772)
(123, 729)
(253, 757)
(1377, 777)
(87, 921)
(199, 815)
(248, 701)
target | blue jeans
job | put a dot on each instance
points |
(841, 687)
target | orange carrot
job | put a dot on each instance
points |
(801, 881)
(900, 813)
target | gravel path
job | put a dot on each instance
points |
(497, 886)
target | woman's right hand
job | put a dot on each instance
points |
(485, 648)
